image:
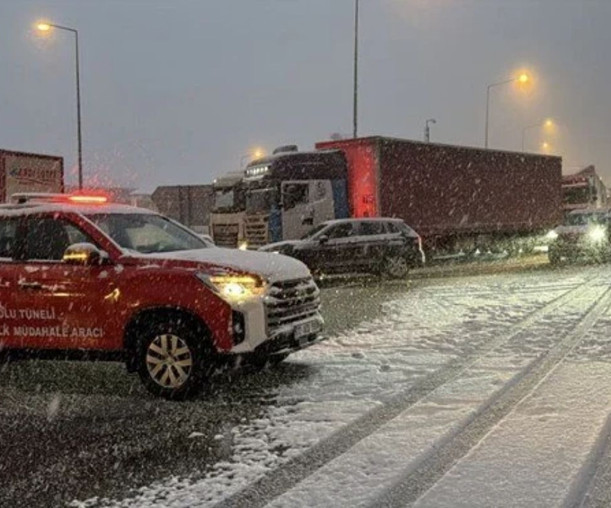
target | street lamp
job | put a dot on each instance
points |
(355, 80)
(522, 78)
(45, 27)
(427, 129)
(547, 123)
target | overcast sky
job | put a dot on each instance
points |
(176, 91)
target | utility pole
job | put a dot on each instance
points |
(427, 130)
(356, 74)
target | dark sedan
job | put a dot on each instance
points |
(383, 246)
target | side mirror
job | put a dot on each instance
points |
(84, 254)
(322, 239)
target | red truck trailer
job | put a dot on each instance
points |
(29, 172)
(452, 193)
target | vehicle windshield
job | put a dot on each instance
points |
(147, 233)
(314, 231)
(583, 219)
(224, 199)
(577, 195)
(261, 200)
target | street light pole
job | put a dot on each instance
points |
(45, 27)
(356, 60)
(522, 78)
(427, 130)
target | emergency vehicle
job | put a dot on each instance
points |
(81, 278)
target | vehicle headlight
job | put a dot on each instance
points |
(551, 235)
(597, 234)
(243, 245)
(234, 287)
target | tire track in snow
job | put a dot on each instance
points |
(423, 476)
(282, 479)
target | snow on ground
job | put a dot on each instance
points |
(419, 332)
(534, 455)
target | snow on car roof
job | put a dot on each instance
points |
(32, 207)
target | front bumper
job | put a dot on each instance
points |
(581, 249)
(286, 317)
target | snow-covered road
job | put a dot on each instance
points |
(473, 391)
(488, 391)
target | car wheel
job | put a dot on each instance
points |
(396, 267)
(174, 362)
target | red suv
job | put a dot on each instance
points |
(84, 279)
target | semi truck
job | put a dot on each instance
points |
(584, 189)
(289, 192)
(187, 204)
(455, 197)
(29, 172)
(228, 211)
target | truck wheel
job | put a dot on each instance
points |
(173, 360)
(396, 267)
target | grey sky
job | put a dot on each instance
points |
(177, 91)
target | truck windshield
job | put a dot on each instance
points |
(261, 200)
(224, 199)
(147, 233)
(577, 195)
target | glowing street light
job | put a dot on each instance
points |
(549, 123)
(257, 153)
(545, 147)
(522, 79)
(44, 27)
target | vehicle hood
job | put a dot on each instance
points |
(273, 267)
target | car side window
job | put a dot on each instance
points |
(340, 231)
(48, 238)
(371, 228)
(392, 228)
(8, 238)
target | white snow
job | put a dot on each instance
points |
(273, 267)
(419, 333)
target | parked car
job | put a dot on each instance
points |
(585, 235)
(380, 245)
(83, 279)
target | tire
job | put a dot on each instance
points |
(396, 267)
(173, 359)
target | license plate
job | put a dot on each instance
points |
(308, 328)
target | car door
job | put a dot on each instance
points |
(342, 246)
(371, 243)
(63, 305)
(8, 278)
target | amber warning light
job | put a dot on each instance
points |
(84, 199)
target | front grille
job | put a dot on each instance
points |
(226, 235)
(290, 301)
(256, 231)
